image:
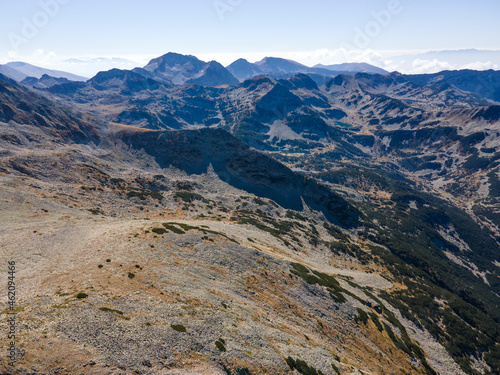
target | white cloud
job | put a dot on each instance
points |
(429, 66)
(481, 65)
(12, 55)
(38, 53)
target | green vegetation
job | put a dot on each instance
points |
(331, 284)
(362, 316)
(189, 197)
(220, 344)
(376, 321)
(266, 223)
(178, 328)
(334, 232)
(185, 186)
(352, 250)
(131, 275)
(302, 367)
(159, 230)
(467, 321)
(116, 181)
(143, 194)
(181, 228)
(82, 295)
(111, 310)
(171, 227)
(260, 202)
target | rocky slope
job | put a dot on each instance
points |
(29, 70)
(44, 82)
(334, 249)
(180, 69)
(485, 83)
(24, 107)
(171, 272)
(283, 68)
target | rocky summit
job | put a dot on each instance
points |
(267, 218)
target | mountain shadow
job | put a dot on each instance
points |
(242, 167)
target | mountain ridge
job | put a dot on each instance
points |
(178, 69)
(37, 72)
(354, 223)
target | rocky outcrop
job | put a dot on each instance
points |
(242, 167)
(24, 107)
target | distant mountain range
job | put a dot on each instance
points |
(44, 81)
(20, 70)
(186, 69)
(174, 68)
(283, 68)
(177, 69)
(387, 182)
(353, 67)
(485, 83)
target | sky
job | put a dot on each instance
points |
(85, 36)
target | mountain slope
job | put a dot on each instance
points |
(180, 69)
(37, 72)
(243, 69)
(241, 167)
(353, 67)
(418, 165)
(44, 81)
(124, 80)
(186, 265)
(12, 73)
(213, 74)
(484, 83)
(283, 68)
(276, 66)
(23, 107)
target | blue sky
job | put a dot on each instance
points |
(315, 31)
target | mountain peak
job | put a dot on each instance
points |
(172, 59)
(243, 69)
(303, 81)
(214, 74)
(277, 60)
(125, 80)
(180, 69)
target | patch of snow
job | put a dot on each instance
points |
(413, 204)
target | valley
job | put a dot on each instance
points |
(185, 218)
